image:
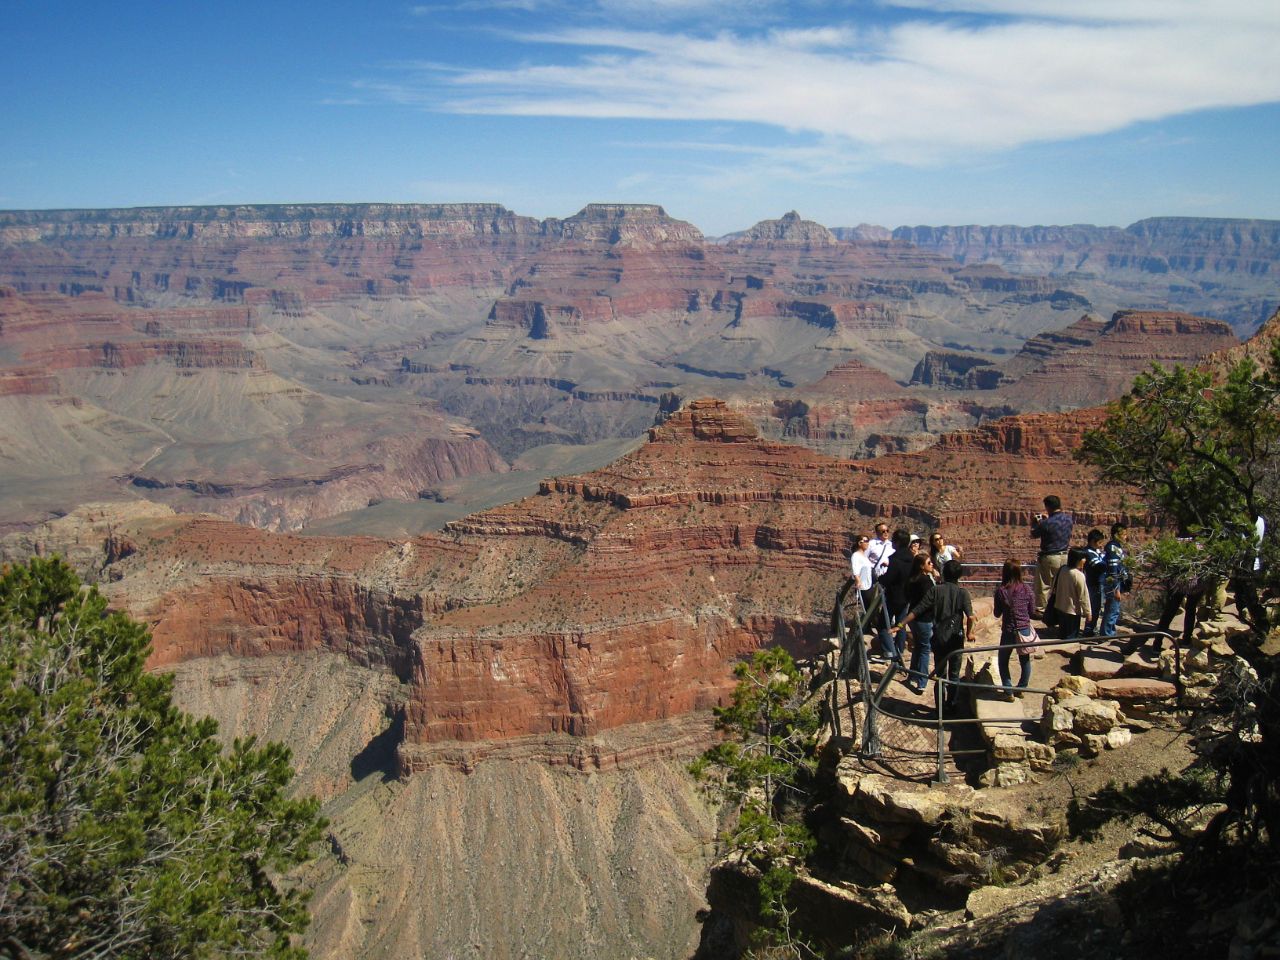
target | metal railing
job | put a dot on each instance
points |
(853, 660)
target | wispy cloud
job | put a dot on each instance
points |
(939, 76)
(637, 10)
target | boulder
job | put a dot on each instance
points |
(1196, 696)
(1073, 685)
(1094, 717)
(1056, 718)
(895, 801)
(1040, 756)
(862, 848)
(1074, 701)
(1005, 775)
(1092, 744)
(1036, 838)
(1118, 737)
(1197, 661)
(828, 909)
(1008, 747)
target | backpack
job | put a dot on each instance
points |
(948, 630)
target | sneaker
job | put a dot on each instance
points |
(877, 658)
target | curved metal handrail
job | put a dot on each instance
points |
(857, 653)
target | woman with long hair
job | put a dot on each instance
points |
(1013, 604)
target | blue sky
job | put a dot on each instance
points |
(916, 111)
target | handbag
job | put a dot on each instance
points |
(1024, 643)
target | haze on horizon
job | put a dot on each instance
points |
(894, 112)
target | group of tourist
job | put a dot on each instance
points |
(1076, 587)
(1077, 590)
(906, 573)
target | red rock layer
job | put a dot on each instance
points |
(610, 598)
(1091, 362)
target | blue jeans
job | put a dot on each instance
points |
(1024, 661)
(891, 643)
(1095, 604)
(1111, 612)
(922, 634)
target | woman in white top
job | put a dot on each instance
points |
(940, 551)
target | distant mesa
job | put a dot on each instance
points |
(855, 380)
(790, 228)
(706, 420)
(623, 223)
(1083, 364)
(953, 370)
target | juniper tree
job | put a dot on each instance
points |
(1205, 452)
(763, 767)
(126, 829)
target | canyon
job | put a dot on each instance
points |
(591, 463)
(288, 366)
(516, 695)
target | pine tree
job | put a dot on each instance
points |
(126, 829)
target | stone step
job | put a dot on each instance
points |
(1129, 690)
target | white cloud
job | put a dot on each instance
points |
(913, 89)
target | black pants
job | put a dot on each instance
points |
(1247, 602)
(1068, 625)
(1171, 604)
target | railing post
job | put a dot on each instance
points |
(939, 697)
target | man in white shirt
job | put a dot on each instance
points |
(861, 570)
(880, 549)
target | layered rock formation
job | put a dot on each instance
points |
(787, 229)
(1225, 268)
(318, 345)
(110, 400)
(612, 598)
(1084, 364)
